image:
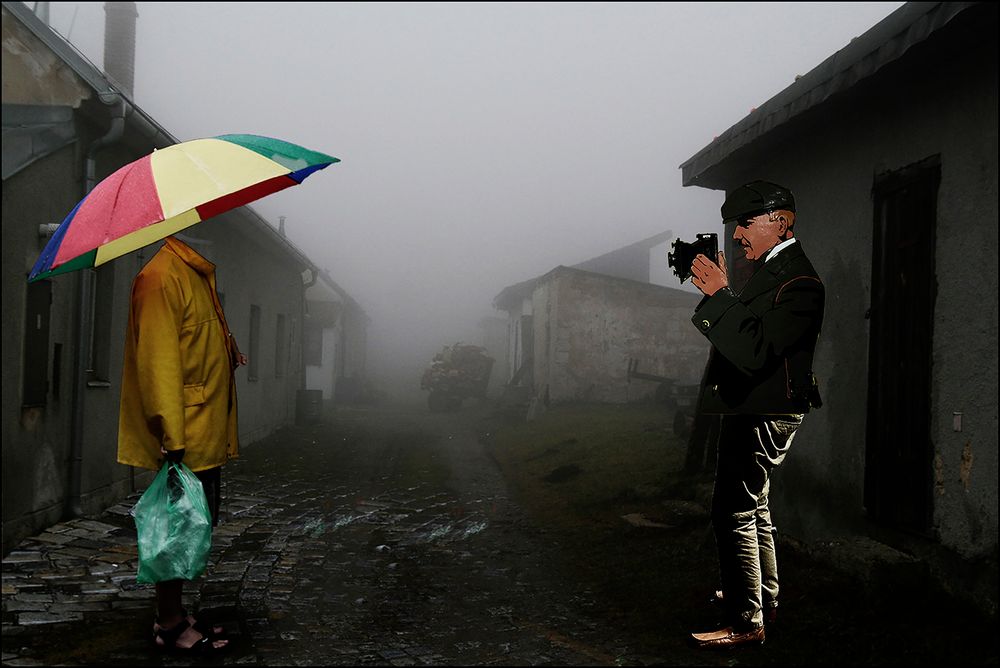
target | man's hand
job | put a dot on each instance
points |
(708, 276)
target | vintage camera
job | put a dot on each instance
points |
(683, 253)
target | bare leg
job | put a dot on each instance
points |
(168, 602)
(170, 613)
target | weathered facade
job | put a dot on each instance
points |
(515, 300)
(62, 121)
(336, 341)
(494, 339)
(588, 326)
(890, 147)
(572, 332)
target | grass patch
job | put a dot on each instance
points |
(580, 463)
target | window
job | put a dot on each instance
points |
(253, 365)
(280, 347)
(36, 344)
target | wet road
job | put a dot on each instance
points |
(387, 537)
(382, 538)
(403, 549)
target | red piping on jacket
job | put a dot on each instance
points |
(788, 378)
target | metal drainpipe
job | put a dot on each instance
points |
(314, 273)
(84, 315)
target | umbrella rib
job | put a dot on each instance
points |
(121, 185)
(202, 167)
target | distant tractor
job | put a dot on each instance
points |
(457, 372)
(682, 399)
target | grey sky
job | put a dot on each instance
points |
(482, 144)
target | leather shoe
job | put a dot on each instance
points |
(727, 637)
(770, 611)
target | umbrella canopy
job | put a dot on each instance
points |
(170, 190)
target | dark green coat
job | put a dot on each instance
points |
(763, 340)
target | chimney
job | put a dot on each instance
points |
(42, 11)
(281, 225)
(119, 43)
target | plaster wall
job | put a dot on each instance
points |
(32, 74)
(35, 440)
(588, 326)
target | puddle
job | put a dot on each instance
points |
(563, 473)
(475, 528)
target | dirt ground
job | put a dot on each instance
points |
(651, 576)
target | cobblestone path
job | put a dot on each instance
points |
(387, 541)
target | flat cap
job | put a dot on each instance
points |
(755, 198)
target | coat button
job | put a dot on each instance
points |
(705, 324)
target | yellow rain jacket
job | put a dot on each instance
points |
(178, 387)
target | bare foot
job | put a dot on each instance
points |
(190, 636)
(216, 630)
(188, 639)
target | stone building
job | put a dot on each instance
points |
(573, 331)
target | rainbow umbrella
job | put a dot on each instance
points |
(170, 190)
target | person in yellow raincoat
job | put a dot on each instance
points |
(178, 399)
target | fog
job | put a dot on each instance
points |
(481, 144)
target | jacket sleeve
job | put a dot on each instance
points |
(750, 341)
(157, 302)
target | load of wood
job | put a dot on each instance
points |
(457, 372)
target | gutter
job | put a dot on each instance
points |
(303, 312)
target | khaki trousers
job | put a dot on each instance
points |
(750, 447)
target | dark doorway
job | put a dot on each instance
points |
(527, 338)
(899, 452)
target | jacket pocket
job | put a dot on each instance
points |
(787, 425)
(194, 394)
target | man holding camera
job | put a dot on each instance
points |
(759, 379)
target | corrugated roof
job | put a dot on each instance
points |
(884, 43)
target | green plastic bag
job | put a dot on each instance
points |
(174, 526)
